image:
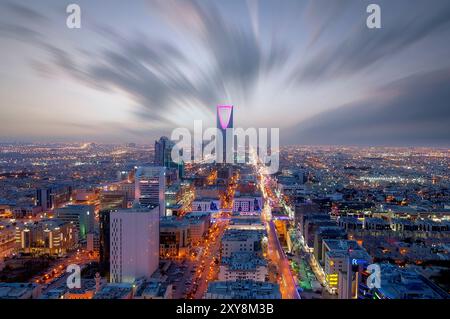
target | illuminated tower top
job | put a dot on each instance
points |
(224, 116)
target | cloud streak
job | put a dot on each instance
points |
(410, 111)
(281, 61)
(362, 50)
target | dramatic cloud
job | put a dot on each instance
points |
(361, 50)
(414, 110)
(165, 63)
(153, 72)
(25, 12)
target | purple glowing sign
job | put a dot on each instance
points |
(224, 114)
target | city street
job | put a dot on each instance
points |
(56, 275)
(288, 286)
(208, 270)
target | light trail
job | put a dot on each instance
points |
(288, 285)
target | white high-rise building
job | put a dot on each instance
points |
(150, 187)
(134, 243)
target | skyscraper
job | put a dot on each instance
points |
(104, 249)
(134, 240)
(163, 149)
(224, 121)
(150, 186)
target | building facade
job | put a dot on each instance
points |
(134, 240)
(150, 187)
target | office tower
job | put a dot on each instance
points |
(82, 216)
(163, 149)
(104, 249)
(224, 121)
(150, 187)
(7, 240)
(51, 236)
(52, 197)
(326, 232)
(128, 188)
(134, 240)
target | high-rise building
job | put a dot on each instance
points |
(134, 240)
(52, 197)
(150, 187)
(82, 216)
(335, 256)
(163, 149)
(224, 121)
(104, 247)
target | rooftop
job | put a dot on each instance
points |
(242, 234)
(243, 261)
(403, 283)
(244, 289)
(114, 291)
(17, 290)
(342, 244)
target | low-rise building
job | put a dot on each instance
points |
(199, 224)
(174, 237)
(203, 204)
(376, 225)
(115, 291)
(237, 240)
(50, 236)
(7, 240)
(243, 289)
(153, 289)
(403, 283)
(89, 287)
(247, 203)
(243, 266)
(19, 291)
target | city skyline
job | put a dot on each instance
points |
(88, 216)
(238, 153)
(311, 67)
